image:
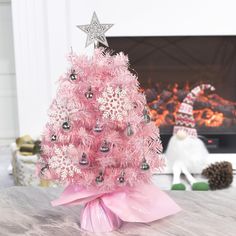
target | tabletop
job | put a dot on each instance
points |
(27, 211)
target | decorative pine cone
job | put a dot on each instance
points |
(219, 174)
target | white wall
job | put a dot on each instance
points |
(45, 29)
(8, 106)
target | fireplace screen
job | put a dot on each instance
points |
(169, 67)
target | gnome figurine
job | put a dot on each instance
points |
(186, 153)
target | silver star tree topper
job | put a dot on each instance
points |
(95, 31)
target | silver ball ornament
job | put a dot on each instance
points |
(53, 138)
(144, 165)
(66, 125)
(130, 131)
(97, 128)
(89, 94)
(105, 147)
(146, 116)
(73, 76)
(121, 179)
(99, 179)
(84, 160)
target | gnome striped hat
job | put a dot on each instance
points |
(184, 117)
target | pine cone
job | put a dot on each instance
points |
(219, 174)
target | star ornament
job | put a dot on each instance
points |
(95, 31)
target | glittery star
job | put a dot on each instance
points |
(95, 31)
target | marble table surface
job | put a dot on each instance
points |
(27, 211)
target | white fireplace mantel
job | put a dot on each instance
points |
(44, 31)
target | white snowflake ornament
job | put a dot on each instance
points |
(62, 164)
(114, 103)
(61, 110)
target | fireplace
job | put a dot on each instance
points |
(168, 67)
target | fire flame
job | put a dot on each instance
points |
(214, 111)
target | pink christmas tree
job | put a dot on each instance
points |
(99, 141)
(99, 132)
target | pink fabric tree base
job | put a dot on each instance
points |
(96, 217)
(104, 211)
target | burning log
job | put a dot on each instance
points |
(181, 94)
(159, 110)
(151, 94)
(171, 106)
(199, 104)
(156, 104)
(219, 100)
(228, 111)
(165, 95)
(170, 119)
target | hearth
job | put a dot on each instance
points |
(168, 67)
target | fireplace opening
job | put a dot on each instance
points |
(169, 67)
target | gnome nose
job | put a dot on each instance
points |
(181, 134)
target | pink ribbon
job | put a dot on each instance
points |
(104, 211)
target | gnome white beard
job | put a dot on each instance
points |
(189, 152)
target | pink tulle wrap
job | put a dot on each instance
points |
(105, 211)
